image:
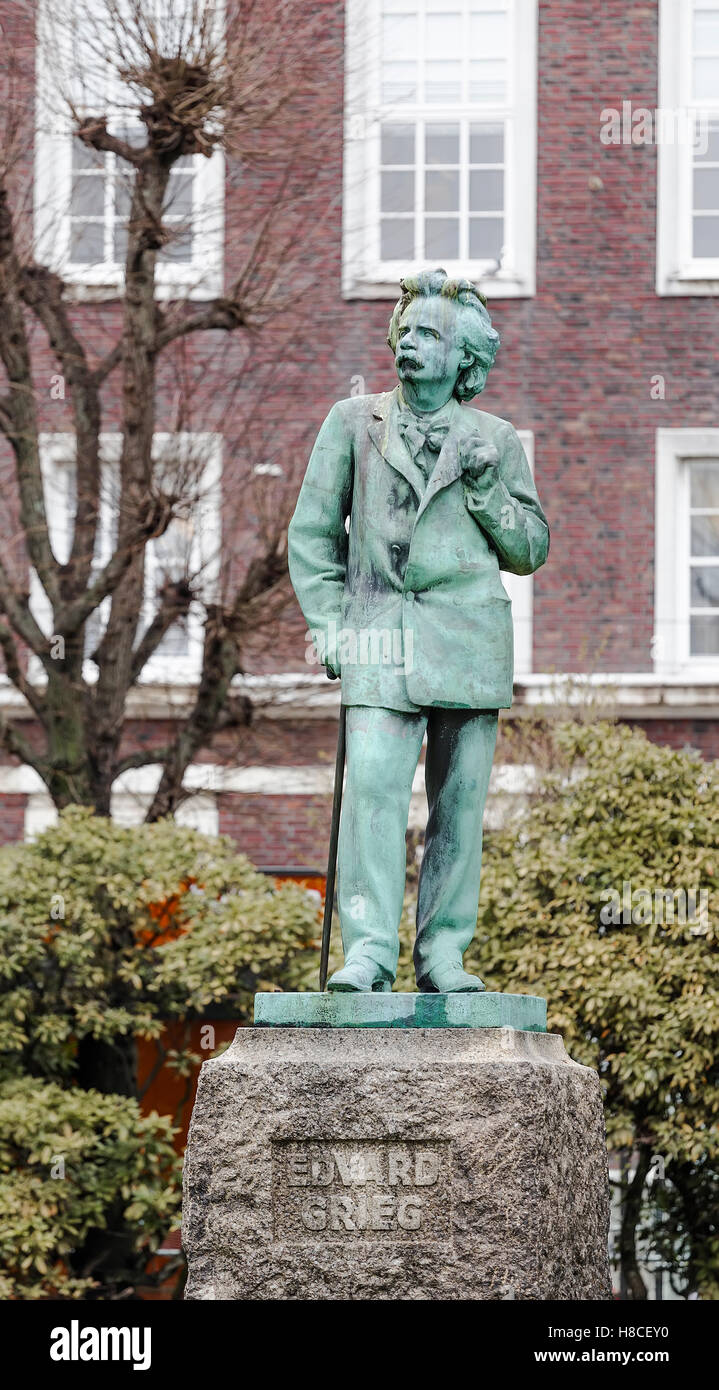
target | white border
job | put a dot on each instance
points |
(199, 279)
(59, 448)
(671, 568)
(359, 279)
(677, 273)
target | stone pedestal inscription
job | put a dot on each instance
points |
(389, 1163)
(361, 1190)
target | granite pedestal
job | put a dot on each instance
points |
(396, 1146)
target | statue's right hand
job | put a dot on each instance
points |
(477, 457)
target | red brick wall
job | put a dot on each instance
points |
(701, 734)
(12, 818)
(278, 831)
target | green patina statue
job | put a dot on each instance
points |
(411, 505)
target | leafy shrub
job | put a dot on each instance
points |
(105, 932)
(88, 1187)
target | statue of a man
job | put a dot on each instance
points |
(411, 505)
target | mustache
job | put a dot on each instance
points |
(410, 358)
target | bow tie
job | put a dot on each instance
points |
(416, 433)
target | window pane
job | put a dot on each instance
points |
(486, 190)
(704, 639)
(443, 82)
(399, 81)
(88, 195)
(134, 135)
(123, 198)
(706, 31)
(60, 489)
(441, 237)
(179, 248)
(488, 33)
(706, 189)
(399, 37)
(441, 191)
(705, 586)
(487, 80)
(397, 144)
(397, 192)
(706, 237)
(180, 194)
(710, 138)
(94, 628)
(486, 144)
(397, 239)
(171, 552)
(705, 483)
(176, 641)
(119, 242)
(87, 243)
(705, 535)
(443, 35)
(486, 238)
(85, 158)
(706, 78)
(442, 144)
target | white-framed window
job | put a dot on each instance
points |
(82, 196)
(190, 547)
(520, 588)
(688, 148)
(686, 627)
(440, 143)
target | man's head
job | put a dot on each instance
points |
(440, 331)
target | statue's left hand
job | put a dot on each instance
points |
(477, 457)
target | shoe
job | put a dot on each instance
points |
(449, 979)
(360, 976)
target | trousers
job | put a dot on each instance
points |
(383, 750)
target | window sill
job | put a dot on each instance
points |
(90, 291)
(506, 286)
(688, 285)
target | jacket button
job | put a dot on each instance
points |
(409, 596)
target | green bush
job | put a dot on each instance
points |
(105, 934)
(85, 916)
(88, 1187)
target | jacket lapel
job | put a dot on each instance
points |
(385, 435)
(448, 466)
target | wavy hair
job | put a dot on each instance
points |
(478, 336)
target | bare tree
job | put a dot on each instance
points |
(148, 90)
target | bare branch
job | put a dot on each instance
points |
(93, 131)
(13, 669)
(21, 416)
(16, 608)
(43, 291)
(17, 745)
(222, 314)
(108, 364)
(174, 605)
(142, 757)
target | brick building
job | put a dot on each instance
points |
(566, 157)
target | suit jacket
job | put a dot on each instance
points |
(406, 598)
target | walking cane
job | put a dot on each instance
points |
(334, 835)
